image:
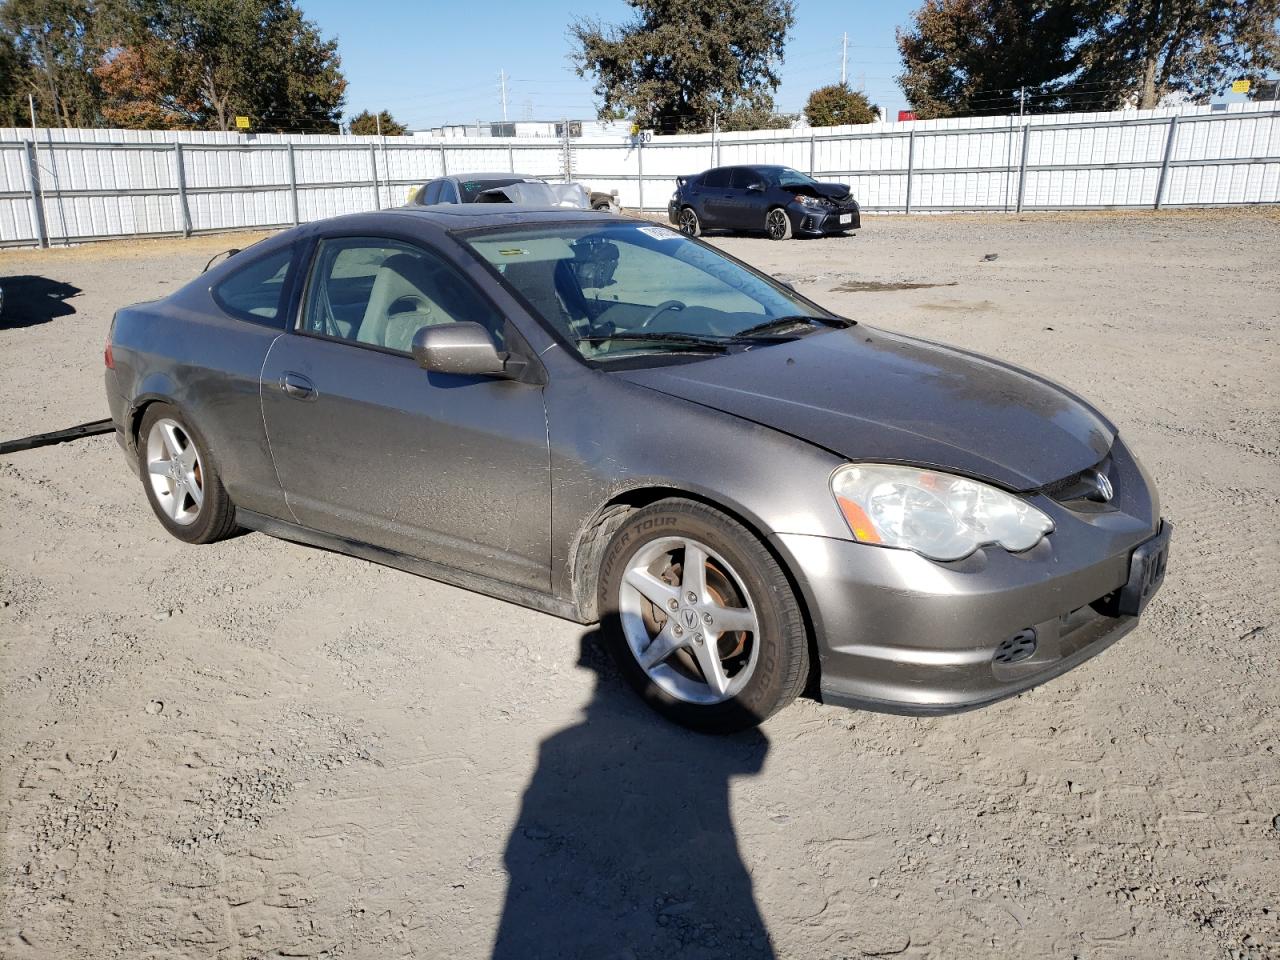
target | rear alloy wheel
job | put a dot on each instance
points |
(181, 482)
(690, 225)
(778, 224)
(700, 618)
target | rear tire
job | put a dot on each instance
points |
(777, 224)
(690, 225)
(719, 647)
(180, 477)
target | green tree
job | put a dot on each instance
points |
(762, 116)
(367, 124)
(1140, 51)
(972, 56)
(13, 84)
(836, 105)
(215, 60)
(977, 56)
(54, 46)
(677, 63)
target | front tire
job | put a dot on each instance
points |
(181, 479)
(701, 618)
(690, 225)
(777, 224)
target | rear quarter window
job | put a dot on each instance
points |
(716, 178)
(255, 291)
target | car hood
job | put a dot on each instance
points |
(869, 395)
(832, 191)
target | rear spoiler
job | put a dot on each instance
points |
(683, 179)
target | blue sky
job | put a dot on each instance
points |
(430, 62)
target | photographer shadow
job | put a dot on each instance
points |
(624, 846)
(30, 301)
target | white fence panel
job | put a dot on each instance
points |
(16, 221)
(107, 183)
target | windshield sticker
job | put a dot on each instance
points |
(659, 233)
(512, 252)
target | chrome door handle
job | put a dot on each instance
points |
(298, 386)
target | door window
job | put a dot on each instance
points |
(380, 292)
(716, 178)
(433, 192)
(253, 292)
(744, 177)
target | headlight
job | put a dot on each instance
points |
(937, 515)
(810, 201)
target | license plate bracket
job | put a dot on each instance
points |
(846, 218)
(1147, 566)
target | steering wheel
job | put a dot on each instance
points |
(661, 308)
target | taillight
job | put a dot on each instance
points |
(107, 358)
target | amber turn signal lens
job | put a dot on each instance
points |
(858, 521)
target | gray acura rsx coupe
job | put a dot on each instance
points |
(606, 420)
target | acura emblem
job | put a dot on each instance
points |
(1103, 491)
(690, 618)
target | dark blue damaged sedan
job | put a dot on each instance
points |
(609, 421)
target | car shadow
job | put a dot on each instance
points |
(29, 301)
(624, 845)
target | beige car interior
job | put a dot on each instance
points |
(406, 296)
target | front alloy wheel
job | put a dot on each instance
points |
(700, 617)
(688, 621)
(778, 224)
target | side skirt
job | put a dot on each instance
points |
(477, 583)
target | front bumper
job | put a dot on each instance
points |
(820, 222)
(901, 634)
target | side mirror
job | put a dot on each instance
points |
(465, 349)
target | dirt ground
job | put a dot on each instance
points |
(255, 749)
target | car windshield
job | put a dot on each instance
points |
(787, 177)
(621, 289)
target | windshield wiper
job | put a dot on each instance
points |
(781, 323)
(714, 344)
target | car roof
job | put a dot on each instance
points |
(466, 216)
(749, 166)
(503, 175)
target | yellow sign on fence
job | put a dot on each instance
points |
(242, 123)
(1240, 86)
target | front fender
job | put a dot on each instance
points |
(770, 481)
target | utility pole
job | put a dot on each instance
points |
(844, 57)
(502, 86)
